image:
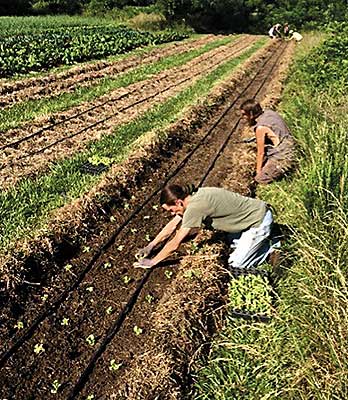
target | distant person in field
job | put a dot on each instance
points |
(276, 147)
(274, 32)
(286, 30)
(247, 221)
(296, 36)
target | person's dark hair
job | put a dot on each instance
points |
(252, 108)
(171, 193)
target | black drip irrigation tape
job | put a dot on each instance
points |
(122, 110)
(109, 336)
(117, 325)
(59, 300)
(48, 127)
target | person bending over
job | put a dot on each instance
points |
(247, 221)
(276, 147)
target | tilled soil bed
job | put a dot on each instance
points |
(53, 84)
(73, 130)
(111, 331)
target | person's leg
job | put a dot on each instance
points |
(271, 171)
(253, 246)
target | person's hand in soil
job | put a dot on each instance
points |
(143, 252)
(145, 263)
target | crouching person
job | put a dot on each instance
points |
(247, 221)
(276, 147)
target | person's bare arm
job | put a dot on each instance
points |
(172, 245)
(260, 146)
(166, 231)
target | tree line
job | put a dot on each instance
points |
(214, 15)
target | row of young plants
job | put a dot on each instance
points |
(18, 114)
(303, 352)
(24, 208)
(33, 52)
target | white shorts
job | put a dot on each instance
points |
(253, 246)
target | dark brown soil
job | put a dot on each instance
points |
(67, 354)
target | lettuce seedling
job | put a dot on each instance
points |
(38, 348)
(114, 366)
(138, 331)
(56, 385)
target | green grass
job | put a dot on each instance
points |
(27, 111)
(303, 352)
(25, 208)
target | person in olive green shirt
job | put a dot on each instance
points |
(247, 220)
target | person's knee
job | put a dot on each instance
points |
(263, 178)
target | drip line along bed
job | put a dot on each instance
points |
(86, 75)
(29, 152)
(63, 351)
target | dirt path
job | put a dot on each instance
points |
(74, 129)
(199, 158)
(87, 75)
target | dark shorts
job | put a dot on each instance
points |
(271, 171)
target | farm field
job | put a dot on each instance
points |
(78, 321)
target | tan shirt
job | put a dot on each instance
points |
(223, 210)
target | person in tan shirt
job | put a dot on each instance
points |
(247, 220)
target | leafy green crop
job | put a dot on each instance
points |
(23, 53)
(250, 293)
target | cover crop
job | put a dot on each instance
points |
(24, 53)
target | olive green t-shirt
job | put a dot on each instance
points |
(223, 210)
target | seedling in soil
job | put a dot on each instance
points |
(68, 267)
(137, 330)
(107, 265)
(109, 310)
(90, 340)
(38, 348)
(90, 397)
(89, 289)
(168, 274)
(126, 206)
(147, 238)
(194, 248)
(155, 207)
(65, 322)
(120, 247)
(149, 298)
(44, 297)
(112, 219)
(134, 230)
(114, 366)
(56, 385)
(86, 249)
(19, 325)
(190, 274)
(126, 279)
